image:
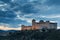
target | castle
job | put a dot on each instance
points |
(40, 25)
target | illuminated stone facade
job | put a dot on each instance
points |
(40, 25)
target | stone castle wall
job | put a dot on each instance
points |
(40, 25)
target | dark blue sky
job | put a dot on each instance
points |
(13, 13)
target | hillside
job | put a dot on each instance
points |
(32, 35)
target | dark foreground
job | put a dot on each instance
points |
(30, 35)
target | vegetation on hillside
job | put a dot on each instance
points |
(33, 35)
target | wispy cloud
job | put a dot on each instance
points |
(51, 16)
(24, 18)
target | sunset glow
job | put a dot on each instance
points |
(8, 28)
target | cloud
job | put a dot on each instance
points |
(8, 14)
(12, 0)
(51, 16)
(6, 1)
(53, 2)
(14, 12)
(53, 21)
(24, 18)
(4, 6)
(58, 27)
(26, 7)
